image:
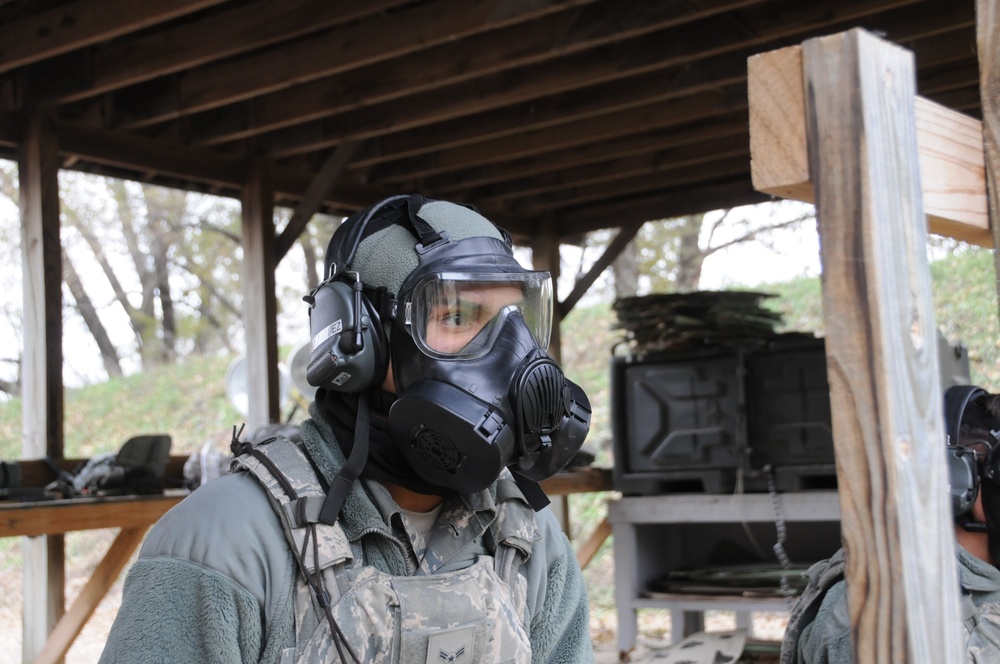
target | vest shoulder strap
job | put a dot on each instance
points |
(296, 494)
(822, 576)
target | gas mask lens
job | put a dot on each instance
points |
(458, 316)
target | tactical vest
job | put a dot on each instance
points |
(980, 625)
(346, 611)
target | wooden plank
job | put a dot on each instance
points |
(949, 143)
(312, 199)
(379, 38)
(653, 62)
(593, 543)
(625, 235)
(988, 46)
(56, 517)
(672, 202)
(885, 391)
(194, 43)
(554, 36)
(634, 92)
(42, 386)
(259, 299)
(578, 480)
(97, 586)
(82, 23)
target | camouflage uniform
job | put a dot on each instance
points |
(387, 619)
(819, 627)
(216, 579)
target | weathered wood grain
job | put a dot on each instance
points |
(885, 392)
(949, 143)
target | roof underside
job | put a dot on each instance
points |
(566, 115)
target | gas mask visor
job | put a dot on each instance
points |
(459, 315)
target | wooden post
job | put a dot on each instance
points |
(44, 557)
(545, 256)
(988, 40)
(885, 391)
(259, 299)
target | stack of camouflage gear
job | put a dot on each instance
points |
(667, 322)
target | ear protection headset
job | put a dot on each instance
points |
(963, 469)
(349, 351)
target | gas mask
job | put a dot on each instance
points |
(475, 389)
(467, 329)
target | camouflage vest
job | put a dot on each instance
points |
(980, 625)
(346, 611)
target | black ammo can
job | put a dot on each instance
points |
(724, 419)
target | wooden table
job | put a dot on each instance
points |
(132, 514)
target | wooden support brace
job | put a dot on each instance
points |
(593, 543)
(950, 146)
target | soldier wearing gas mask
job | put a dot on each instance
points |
(819, 628)
(407, 525)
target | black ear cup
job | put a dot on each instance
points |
(956, 398)
(991, 469)
(963, 479)
(348, 347)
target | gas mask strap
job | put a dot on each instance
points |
(341, 484)
(532, 491)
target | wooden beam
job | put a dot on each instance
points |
(668, 63)
(594, 152)
(610, 110)
(611, 252)
(42, 391)
(581, 195)
(950, 148)
(83, 23)
(542, 40)
(378, 38)
(885, 391)
(988, 43)
(133, 156)
(593, 543)
(217, 35)
(259, 299)
(551, 128)
(318, 191)
(662, 204)
(691, 158)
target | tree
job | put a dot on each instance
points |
(668, 255)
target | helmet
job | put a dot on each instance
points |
(434, 286)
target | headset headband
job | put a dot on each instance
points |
(425, 233)
(956, 398)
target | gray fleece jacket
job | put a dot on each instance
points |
(827, 640)
(215, 580)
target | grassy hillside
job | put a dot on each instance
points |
(187, 400)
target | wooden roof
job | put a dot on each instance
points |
(569, 115)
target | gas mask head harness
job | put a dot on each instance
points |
(475, 389)
(973, 457)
